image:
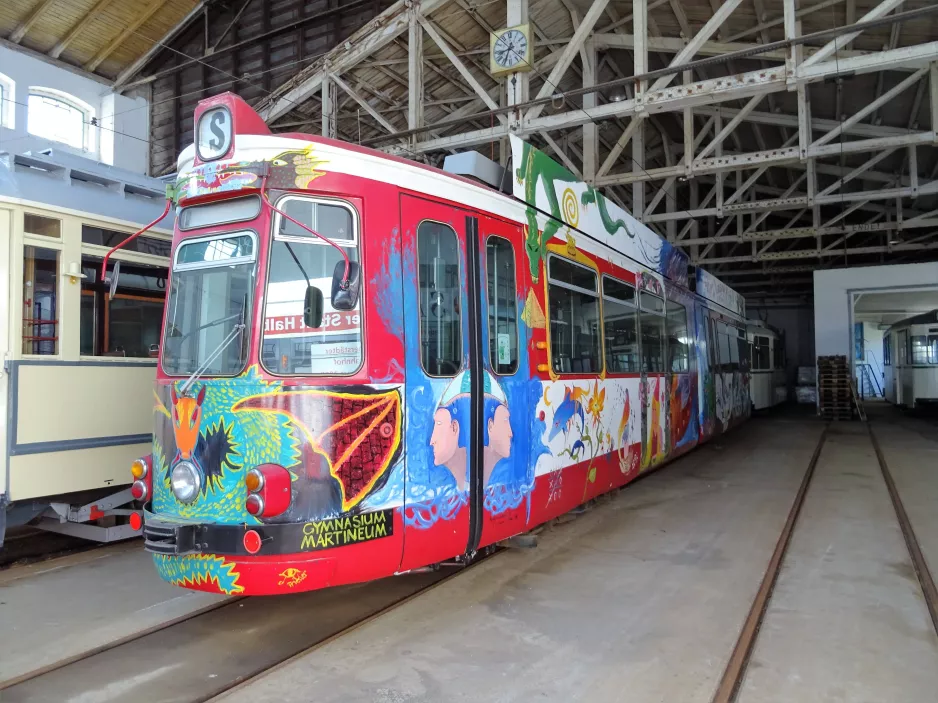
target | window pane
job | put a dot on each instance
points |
(502, 311)
(725, 357)
(44, 226)
(110, 238)
(734, 347)
(333, 221)
(679, 343)
(902, 342)
(220, 249)
(88, 324)
(620, 328)
(563, 271)
(652, 303)
(618, 290)
(223, 211)
(439, 291)
(574, 318)
(56, 120)
(205, 305)
(924, 349)
(129, 324)
(133, 326)
(289, 347)
(652, 327)
(40, 300)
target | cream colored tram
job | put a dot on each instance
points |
(767, 382)
(78, 367)
(910, 361)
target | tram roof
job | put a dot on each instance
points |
(62, 180)
(542, 190)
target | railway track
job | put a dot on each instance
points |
(29, 545)
(734, 674)
(212, 650)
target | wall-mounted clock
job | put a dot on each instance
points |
(511, 50)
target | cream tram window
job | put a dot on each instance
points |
(902, 345)
(438, 290)
(887, 349)
(210, 297)
(925, 349)
(502, 306)
(761, 349)
(128, 325)
(299, 259)
(651, 322)
(573, 303)
(620, 326)
(40, 301)
(42, 226)
(110, 238)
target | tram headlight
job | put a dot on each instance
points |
(186, 481)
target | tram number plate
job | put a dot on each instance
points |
(347, 529)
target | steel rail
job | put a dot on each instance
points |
(915, 551)
(732, 678)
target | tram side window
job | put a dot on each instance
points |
(925, 349)
(742, 344)
(761, 350)
(502, 310)
(726, 360)
(439, 291)
(887, 349)
(902, 343)
(43, 226)
(620, 327)
(573, 303)
(129, 325)
(110, 238)
(679, 343)
(651, 322)
(778, 349)
(299, 259)
(40, 301)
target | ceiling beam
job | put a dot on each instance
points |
(78, 28)
(149, 10)
(16, 36)
(133, 69)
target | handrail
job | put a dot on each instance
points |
(868, 372)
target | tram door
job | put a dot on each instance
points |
(443, 340)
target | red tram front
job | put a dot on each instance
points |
(317, 420)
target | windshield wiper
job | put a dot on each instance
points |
(236, 331)
(213, 323)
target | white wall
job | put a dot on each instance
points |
(119, 141)
(833, 290)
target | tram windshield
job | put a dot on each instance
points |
(211, 293)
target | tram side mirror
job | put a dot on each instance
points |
(113, 280)
(312, 307)
(346, 298)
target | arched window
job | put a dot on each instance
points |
(60, 117)
(7, 102)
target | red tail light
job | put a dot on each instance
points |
(142, 471)
(269, 490)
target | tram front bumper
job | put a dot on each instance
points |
(170, 538)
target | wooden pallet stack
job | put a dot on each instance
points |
(834, 388)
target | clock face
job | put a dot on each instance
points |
(510, 49)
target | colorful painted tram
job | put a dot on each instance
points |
(370, 366)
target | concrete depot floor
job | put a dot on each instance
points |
(55, 610)
(642, 599)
